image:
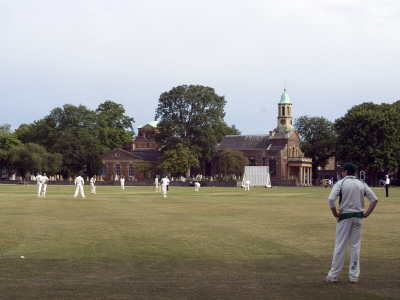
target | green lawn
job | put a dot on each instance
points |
(219, 243)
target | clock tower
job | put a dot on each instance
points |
(285, 122)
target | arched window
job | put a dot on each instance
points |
(117, 170)
(130, 170)
(283, 110)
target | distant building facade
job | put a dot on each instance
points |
(136, 160)
(280, 151)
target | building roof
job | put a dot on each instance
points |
(243, 142)
(152, 124)
(285, 98)
(147, 155)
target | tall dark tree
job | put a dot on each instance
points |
(7, 141)
(368, 135)
(78, 148)
(318, 140)
(232, 162)
(193, 116)
(115, 127)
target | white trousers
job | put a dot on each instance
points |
(164, 190)
(44, 188)
(79, 188)
(39, 189)
(92, 188)
(348, 231)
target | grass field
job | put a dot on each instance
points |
(219, 243)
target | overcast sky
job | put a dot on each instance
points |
(330, 54)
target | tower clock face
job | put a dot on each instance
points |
(147, 136)
(283, 121)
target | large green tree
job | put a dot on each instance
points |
(193, 116)
(31, 157)
(7, 141)
(318, 139)
(232, 162)
(368, 135)
(115, 127)
(177, 161)
(81, 135)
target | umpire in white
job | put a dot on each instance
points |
(351, 193)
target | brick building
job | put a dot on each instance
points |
(280, 150)
(136, 160)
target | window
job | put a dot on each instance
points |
(272, 167)
(130, 171)
(104, 174)
(117, 170)
(148, 136)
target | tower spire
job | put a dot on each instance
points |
(285, 113)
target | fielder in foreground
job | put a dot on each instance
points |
(349, 215)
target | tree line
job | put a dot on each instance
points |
(71, 138)
(367, 135)
(191, 123)
(68, 141)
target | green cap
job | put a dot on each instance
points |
(350, 167)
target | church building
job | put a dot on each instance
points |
(280, 150)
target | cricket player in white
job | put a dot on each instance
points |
(196, 186)
(44, 180)
(39, 184)
(164, 183)
(122, 181)
(156, 184)
(79, 182)
(92, 186)
(247, 185)
(349, 215)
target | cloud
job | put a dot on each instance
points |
(57, 52)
